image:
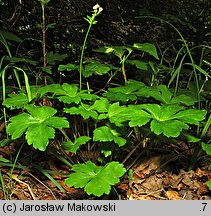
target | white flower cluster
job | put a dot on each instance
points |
(97, 9)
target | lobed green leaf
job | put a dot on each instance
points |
(95, 180)
(106, 134)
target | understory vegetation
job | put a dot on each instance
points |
(96, 86)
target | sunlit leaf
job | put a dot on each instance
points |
(74, 146)
(206, 148)
(84, 110)
(209, 184)
(95, 180)
(148, 48)
(106, 134)
(38, 124)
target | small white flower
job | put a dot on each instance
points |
(96, 7)
(100, 9)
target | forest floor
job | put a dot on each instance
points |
(155, 177)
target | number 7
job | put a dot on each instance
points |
(205, 204)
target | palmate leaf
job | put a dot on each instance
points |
(164, 95)
(171, 128)
(18, 125)
(125, 93)
(165, 119)
(53, 57)
(95, 180)
(206, 148)
(117, 114)
(134, 89)
(20, 99)
(191, 116)
(101, 105)
(52, 88)
(38, 125)
(68, 67)
(67, 93)
(135, 115)
(38, 135)
(172, 119)
(73, 147)
(16, 101)
(95, 67)
(84, 110)
(120, 96)
(106, 134)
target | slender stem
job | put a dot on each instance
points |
(206, 127)
(123, 71)
(82, 54)
(65, 135)
(44, 39)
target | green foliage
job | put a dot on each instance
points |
(171, 119)
(5, 35)
(53, 57)
(209, 184)
(95, 180)
(68, 67)
(167, 119)
(95, 67)
(67, 93)
(206, 148)
(84, 110)
(148, 48)
(123, 53)
(16, 101)
(38, 125)
(134, 90)
(23, 60)
(156, 108)
(92, 21)
(74, 146)
(107, 134)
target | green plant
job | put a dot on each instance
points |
(200, 144)
(172, 116)
(89, 122)
(88, 176)
(123, 53)
(43, 5)
(38, 125)
(91, 20)
(3, 187)
(177, 70)
(209, 184)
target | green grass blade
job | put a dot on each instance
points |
(45, 172)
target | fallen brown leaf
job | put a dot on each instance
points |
(173, 195)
